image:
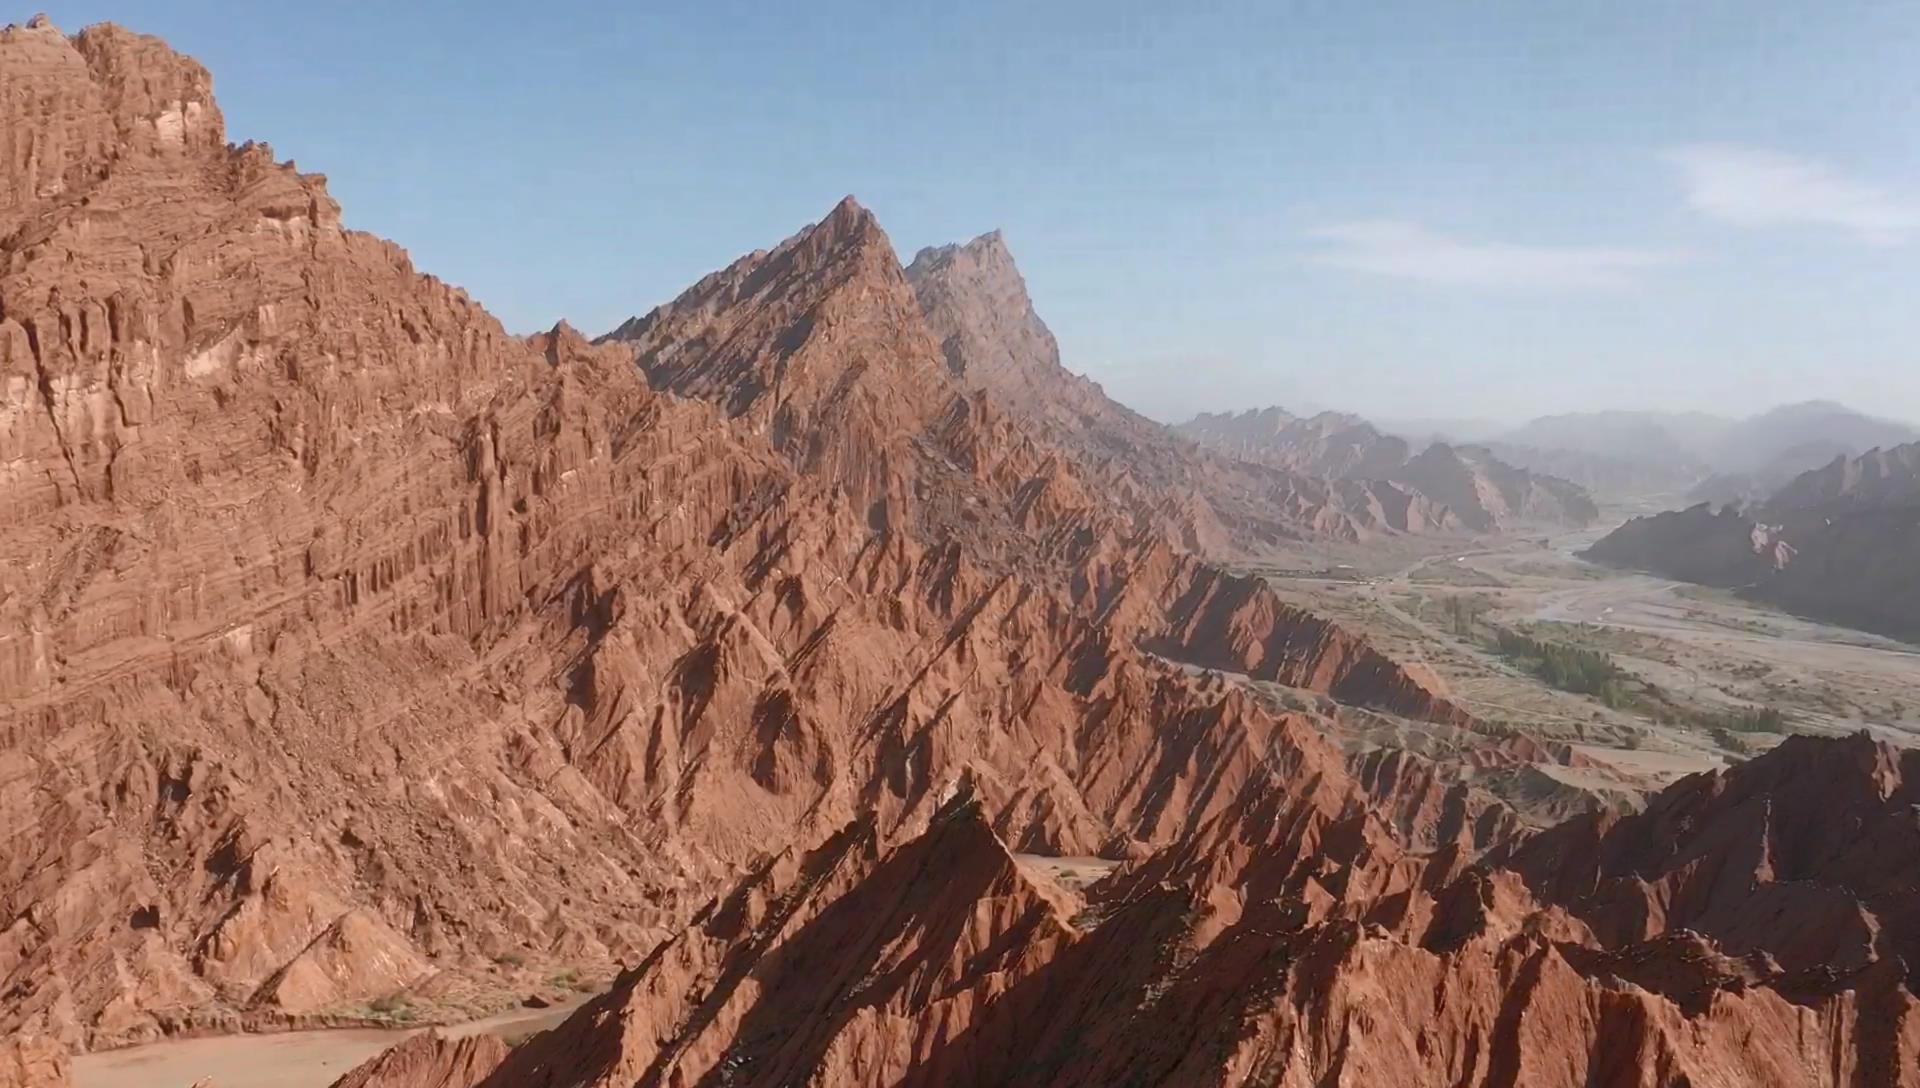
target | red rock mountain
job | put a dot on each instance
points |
(354, 649)
(976, 302)
(1466, 486)
(351, 646)
(1754, 927)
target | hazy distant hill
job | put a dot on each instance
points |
(1797, 437)
(1710, 458)
(1658, 437)
(1481, 491)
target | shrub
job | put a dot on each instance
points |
(1569, 668)
(397, 1006)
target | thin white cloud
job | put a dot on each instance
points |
(1754, 187)
(1410, 251)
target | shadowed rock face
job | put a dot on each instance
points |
(1835, 543)
(350, 645)
(1290, 940)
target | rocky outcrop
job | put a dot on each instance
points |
(1807, 857)
(1698, 544)
(849, 961)
(1486, 493)
(1290, 941)
(975, 301)
(430, 1060)
(352, 649)
(31, 1062)
(1880, 479)
(1835, 543)
(1334, 444)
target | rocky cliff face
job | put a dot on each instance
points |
(30, 1062)
(1735, 933)
(1836, 543)
(352, 647)
(976, 303)
(1462, 487)
(430, 1061)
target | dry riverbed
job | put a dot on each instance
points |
(296, 1059)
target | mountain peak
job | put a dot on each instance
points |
(817, 338)
(987, 254)
(976, 302)
(849, 219)
(101, 97)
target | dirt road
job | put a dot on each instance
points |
(299, 1059)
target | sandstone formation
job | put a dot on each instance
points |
(34, 1062)
(1459, 486)
(975, 301)
(354, 649)
(1754, 927)
(430, 1061)
(1836, 543)
(1328, 443)
(1487, 493)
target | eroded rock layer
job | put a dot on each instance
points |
(993, 342)
(1291, 942)
(351, 647)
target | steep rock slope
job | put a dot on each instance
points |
(1289, 941)
(1837, 543)
(350, 646)
(1464, 485)
(430, 1061)
(975, 301)
(27, 1062)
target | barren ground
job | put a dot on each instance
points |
(1700, 652)
(299, 1059)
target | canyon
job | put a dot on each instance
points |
(363, 663)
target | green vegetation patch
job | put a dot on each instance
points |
(1568, 668)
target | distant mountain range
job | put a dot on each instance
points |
(1476, 488)
(1710, 458)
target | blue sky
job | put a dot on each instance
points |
(1488, 209)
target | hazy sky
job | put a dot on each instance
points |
(1478, 209)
